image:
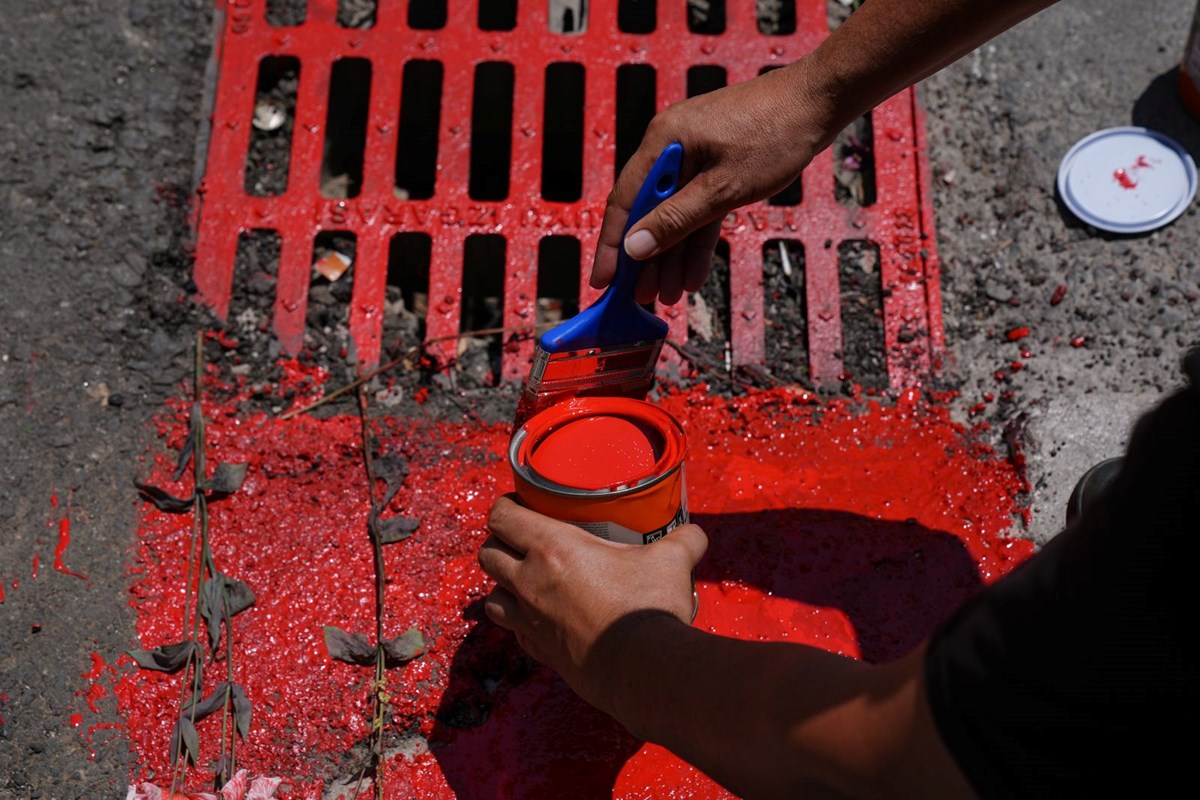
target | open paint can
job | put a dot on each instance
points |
(610, 465)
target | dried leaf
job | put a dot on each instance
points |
(227, 478)
(168, 658)
(404, 648)
(198, 711)
(164, 501)
(393, 529)
(185, 452)
(352, 648)
(184, 736)
(210, 609)
(241, 711)
(238, 595)
(215, 594)
(392, 469)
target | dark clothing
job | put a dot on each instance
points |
(1076, 675)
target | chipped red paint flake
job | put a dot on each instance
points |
(1016, 334)
(849, 525)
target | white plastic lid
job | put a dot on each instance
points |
(1127, 180)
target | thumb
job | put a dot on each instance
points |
(691, 541)
(679, 215)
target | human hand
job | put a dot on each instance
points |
(741, 144)
(559, 588)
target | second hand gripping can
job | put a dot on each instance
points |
(610, 465)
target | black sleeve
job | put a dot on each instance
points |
(1076, 675)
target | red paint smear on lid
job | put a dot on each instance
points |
(852, 527)
(1123, 178)
(596, 452)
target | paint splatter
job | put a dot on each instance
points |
(1125, 177)
(856, 527)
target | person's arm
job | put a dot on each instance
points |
(748, 141)
(764, 719)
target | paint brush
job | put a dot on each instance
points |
(611, 348)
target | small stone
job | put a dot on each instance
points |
(997, 291)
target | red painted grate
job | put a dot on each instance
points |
(525, 173)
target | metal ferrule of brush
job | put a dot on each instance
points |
(556, 372)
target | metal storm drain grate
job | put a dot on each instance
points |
(455, 156)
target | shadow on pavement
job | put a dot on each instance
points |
(509, 728)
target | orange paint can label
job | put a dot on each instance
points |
(610, 465)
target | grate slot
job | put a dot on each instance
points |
(357, 13)
(497, 15)
(491, 130)
(346, 128)
(558, 277)
(710, 325)
(562, 133)
(637, 16)
(427, 15)
(864, 348)
(417, 140)
(483, 294)
(784, 300)
(706, 16)
(286, 13)
(406, 301)
(568, 17)
(255, 276)
(329, 293)
(854, 164)
(705, 78)
(776, 17)
(636, 90)
(272, 123)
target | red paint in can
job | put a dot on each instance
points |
(610, 465)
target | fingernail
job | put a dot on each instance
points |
(640, 244)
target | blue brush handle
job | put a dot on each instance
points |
(616, 318)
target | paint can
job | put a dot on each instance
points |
(1189, 68)
(610, 465)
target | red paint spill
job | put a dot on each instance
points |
(595, 452)
(98, 667)
(1060, 293)
(882, 520)
(1016, 334)
(64, 540)
(76, 720)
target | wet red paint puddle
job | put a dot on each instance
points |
(856, 530)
